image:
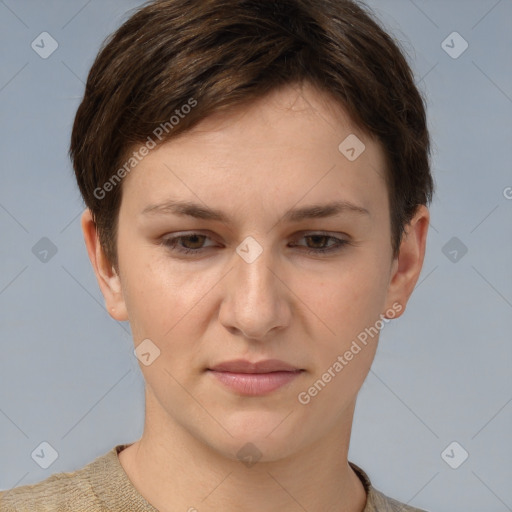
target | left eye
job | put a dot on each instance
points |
(322, 239)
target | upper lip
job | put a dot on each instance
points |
(244, 366)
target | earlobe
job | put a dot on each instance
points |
(107, 277)
(407, 266)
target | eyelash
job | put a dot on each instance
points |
(171, 244)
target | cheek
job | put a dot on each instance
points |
(349, 304)
(349, 298)
(345, 343)
(163, 298)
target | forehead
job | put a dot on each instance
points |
(293, 142)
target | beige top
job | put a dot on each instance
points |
(103, 486)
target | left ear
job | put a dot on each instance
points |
(406, 267)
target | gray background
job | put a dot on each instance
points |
(68, 375)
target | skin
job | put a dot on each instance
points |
(255, 164)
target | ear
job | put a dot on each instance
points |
(406, 267)
(108, 279)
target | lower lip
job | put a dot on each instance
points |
(253, 384)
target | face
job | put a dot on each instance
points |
(255, 272)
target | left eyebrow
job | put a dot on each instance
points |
(198, 211)
(320, 211)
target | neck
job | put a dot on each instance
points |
(174, 470)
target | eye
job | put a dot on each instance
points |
(320, 241)
(186, 244)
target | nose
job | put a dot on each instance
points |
(255, 301)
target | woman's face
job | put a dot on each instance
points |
(256, 285)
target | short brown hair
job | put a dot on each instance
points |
(226, 53)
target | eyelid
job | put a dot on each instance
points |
(316, 232)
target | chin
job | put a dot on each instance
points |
(256, 440)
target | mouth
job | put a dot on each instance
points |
(254, 379)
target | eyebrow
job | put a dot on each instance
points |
(198, 211)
